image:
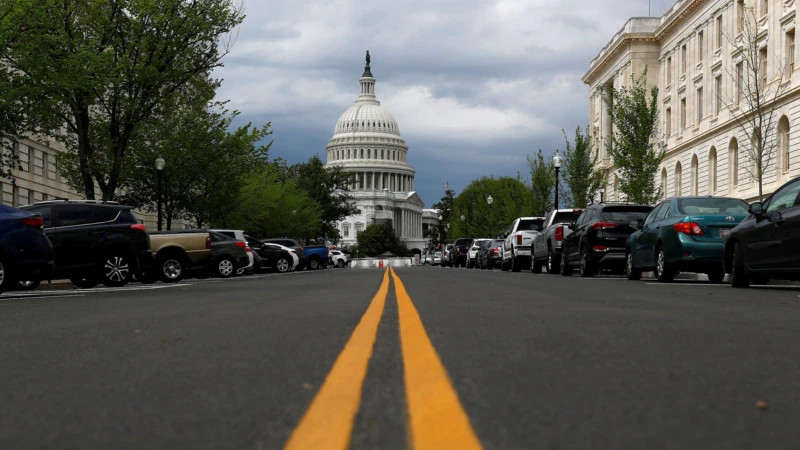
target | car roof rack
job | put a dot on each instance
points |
(66, 200)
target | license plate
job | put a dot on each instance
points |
(724, 232)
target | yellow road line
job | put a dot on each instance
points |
(328, 422)
(437, 419)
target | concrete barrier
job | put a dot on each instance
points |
(374, 263)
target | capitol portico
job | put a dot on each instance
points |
(367, 142)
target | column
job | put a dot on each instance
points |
(373, 181)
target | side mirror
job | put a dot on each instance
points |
(756, 208)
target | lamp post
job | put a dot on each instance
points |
(160, 164)
(557, 166)
(490, 200)
(601, 195)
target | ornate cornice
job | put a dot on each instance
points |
(678, 17)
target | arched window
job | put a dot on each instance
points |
(678, 180)
(733, 163)
(362, 154)
(695, 174)
(783, 144)
(381, 153)
(712, 171)
(348, 153)
(664, 183)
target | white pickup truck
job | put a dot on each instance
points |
(547, 244)
(518, 241)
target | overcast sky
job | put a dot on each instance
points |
(475, 85)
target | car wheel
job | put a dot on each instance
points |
(536, 265)
(225, 267)
(340, 264)
(27, 285)
(586, 268)
(663, 272)
(739, 275)
(313, 264)
(282, 265)
(630, 270)
(83, 281)
(515, 265)
(566, 269)
(553, 262)
(716, 276)
(116, 269)
(171, 268)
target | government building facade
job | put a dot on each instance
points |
(366, 141)
(690, 55)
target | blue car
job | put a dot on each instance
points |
(26, 255)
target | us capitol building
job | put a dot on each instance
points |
(367, 142)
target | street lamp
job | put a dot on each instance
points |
(160, 164)
(462, 217)
(601, 195)
(557, 165)
(490, 200)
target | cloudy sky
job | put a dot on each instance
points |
(475, 85)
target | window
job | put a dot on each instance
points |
(105, 214)
(669, 71)
(700, 50)
(75, 215)
(664, 183)
(739, 16)
(346, 230)
(712, 171)
(359, 227)
(664, 212)
(668, 118)
(47, 214)
(783, 142)
(719, 31)
(712, 206)
(683, 115)
(381, 153)
(739, 83)
(762, 68)
(733, 162)
(653, 214)
(699, 105)
(789, 53)
(45, 165)
(678, 180)
(362, 154)
(784, 198)
(717, 95)
(764, 7)
(683, 59)
(695, 175)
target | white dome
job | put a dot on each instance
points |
(366, 117)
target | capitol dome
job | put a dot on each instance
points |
(366, 117)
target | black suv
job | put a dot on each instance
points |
(599, 237)
(294, 245)
(94, 241)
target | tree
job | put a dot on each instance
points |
(636, 147)
(543, 183)
(379, 238)
(754, 107)
(330, 188)
(96, 70)
(445, 208)
(511, 199)
(578, 169)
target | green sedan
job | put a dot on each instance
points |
(683, 234)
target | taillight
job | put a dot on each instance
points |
(208, 242)
(604, 225)
(36, 222)
(496, 250)
(241, 244)
(691, 228)
(139, 226)
(248, 249)
(300, 249)
(599, 248)
(519, 239)
(559, 233)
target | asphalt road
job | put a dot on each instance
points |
(441, 359)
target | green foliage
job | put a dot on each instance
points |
(636, 147)
(445, 207)
(511, 199)
(578, 170)
(330, 189)
(90, 73)
(543, 183)
(379, 238)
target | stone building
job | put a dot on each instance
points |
(367, 142)
(690, 56)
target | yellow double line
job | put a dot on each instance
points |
(436, 419)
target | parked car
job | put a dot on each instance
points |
(491, 254)
(178, 252)
(684, 234)
(599, 238)
(762, 247)
(239, 235)
(94, 241)
(316, 256)
(338, 259)
(459, 252)
(292, 244)
(446, 261)
(436, 258)
(272, 256)
(472, 253)
(546, 249)
(26, 255)
(227, 255)
(518, 240)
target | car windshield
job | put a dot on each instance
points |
(625, 213)
(531, 224)
(567, 216)
(712, 206)
(463, 242)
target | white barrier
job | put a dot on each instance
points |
(373, 263)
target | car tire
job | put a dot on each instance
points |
(553, 262)
(587, 270)
(739, 276)
(663, 272)
(27, 285)
(504, 266)
(515, 264)
(631, 271)
(282, 265)
(83, 281)
(313, 264)
(340, 264)
(536, 266)
(116, 269)
(224, 267)
(171, 268)
(716, 276)
(565, 268)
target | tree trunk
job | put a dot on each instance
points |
(84, 152)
